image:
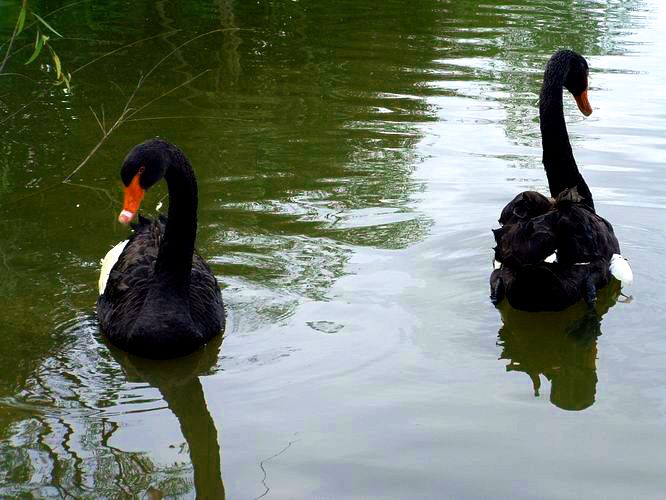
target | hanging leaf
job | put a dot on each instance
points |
(21, 20)
(46, 24)
(39, 43)
(56, 61)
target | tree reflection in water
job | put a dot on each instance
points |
(561, 346)
(67, 446)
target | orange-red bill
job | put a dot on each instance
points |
(583, 103)
(133, 196)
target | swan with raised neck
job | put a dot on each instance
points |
(565, 69)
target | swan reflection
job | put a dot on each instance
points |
(560, 346)
(178, 383)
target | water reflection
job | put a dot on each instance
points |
(560, 346)
(497, 55)
(306, 134)
(178, 383)
(67, 426)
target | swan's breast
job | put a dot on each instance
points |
(108, 262)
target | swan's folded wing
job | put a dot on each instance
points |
(527, 242)
(128, 281)
(205, 297)
(525, 206)
(584, 236)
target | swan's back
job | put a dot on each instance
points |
(534, 227)
(583, 236)
(129, 283)
(552, 252)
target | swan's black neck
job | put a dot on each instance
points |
(558, 159)
(174, 259)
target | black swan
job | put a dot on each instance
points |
(552, 252)
(158, 297)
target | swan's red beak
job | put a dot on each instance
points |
(583, 103)
(133, 196)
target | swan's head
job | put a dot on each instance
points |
(573, 68)
(145, 165)
(576, 80)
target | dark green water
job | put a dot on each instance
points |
(351, 158)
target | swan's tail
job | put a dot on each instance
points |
(619, 267)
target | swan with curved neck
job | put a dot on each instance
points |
(159, 298)
(552, 252)
(566, 69)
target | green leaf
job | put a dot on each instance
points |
(39, 43)
(21, 20)
(56, 60)
(46, 24)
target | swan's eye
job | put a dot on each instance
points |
(142, 169)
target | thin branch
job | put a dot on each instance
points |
(64, 7)
(261, 464)
(4, 259)
(13, 38)
(124, 116)
(29, 103)
(182, 117)
(30, 195)
(105, 136)
(23, 47)
(118, 87)
(126, 46)
(98, 122)
(219, 30)
(19, 74)
(96, 189)
(186, 82)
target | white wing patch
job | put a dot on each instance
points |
(619, 267)
(108, 262)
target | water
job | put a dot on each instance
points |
(351, 162)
